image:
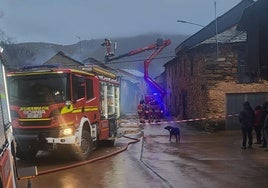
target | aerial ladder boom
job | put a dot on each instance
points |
(157, 47)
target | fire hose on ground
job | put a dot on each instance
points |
(135, 140)
(66, 167)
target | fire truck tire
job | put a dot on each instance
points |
(1, 184)
(113, 132)
(26, 154)
(86, 146)
(108, 143)
(113, 129)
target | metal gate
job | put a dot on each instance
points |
(234, 104)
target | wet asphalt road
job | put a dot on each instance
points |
(201, 159)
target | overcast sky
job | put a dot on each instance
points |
(68, 21)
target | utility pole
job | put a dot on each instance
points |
(212, 31)
(216, 30)
(80, 45)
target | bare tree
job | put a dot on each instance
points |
(4, 39)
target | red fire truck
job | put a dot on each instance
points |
(7, 162)
(63, 109)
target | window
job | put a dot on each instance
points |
(78, 87)
(89, 86)
(41, 89)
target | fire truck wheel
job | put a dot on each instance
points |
(86, 146)
(26, 154)
(110, 143)
(1, 184)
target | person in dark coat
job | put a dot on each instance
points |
(265, 130)
(246, 119)
(265, 112)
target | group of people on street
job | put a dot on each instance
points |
(150, 111)
(256, 119)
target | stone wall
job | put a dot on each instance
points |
(205, 82)
(217, 94)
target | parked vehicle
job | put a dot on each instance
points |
(7, 159)
(63, 109)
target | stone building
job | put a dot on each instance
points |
(208, 68)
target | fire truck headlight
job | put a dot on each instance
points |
(66, 132)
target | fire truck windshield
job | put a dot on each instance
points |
(38, 89)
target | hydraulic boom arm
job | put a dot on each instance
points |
(157, 47)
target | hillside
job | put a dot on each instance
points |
(21, 54)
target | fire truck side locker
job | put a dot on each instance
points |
(110, 108)
(104, 100)
(117, 102)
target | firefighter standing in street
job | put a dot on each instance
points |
(141, 112)
(151, 113)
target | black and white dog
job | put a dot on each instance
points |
(174, 131)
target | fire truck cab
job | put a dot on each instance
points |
(63, 109)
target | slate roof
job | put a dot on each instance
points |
(228, 36)
(65, 56)
(225, 22)
(131, 75)
(134, 72)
